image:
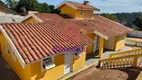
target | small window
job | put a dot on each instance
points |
(122, 37)
(7, 48)
(13, 55)
(48, 63)
(77, 54)
(81, 12)
(88, 13)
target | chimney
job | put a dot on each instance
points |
(86, 2)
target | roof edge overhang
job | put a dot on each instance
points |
(102, 35)
(59, 53)
(13, 47)
(65, 2)
(31, 15)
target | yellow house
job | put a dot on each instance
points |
(50, 46)
(111, 34)
(35, 51)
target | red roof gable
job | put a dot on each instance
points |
(83, 6)
(40, 40)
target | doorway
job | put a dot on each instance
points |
(96, 44)
(68, 63)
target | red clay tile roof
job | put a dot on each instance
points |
(102, 25)
(35, 41)
(45, 16)
(82, 6)
(99, 23)
(109, 27)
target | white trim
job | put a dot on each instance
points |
(13, 47)
(50, 66)
(102, 35)
(31, 15)
(7, 47)
(65, 2)
(13, 55)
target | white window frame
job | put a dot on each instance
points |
(13, 55)
(47, 67)
(81, 12)
(122, 37)
(7, 48)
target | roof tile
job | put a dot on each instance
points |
(35, 41)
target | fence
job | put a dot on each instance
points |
(132, 58)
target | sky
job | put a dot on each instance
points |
(107, 6)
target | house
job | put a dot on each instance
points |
(50, 46)
(9, 16)
(4, 10)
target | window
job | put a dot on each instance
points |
(48, 63)
(122, 37)
(88, 13)
(7, 48)
(81, 12)
(13, 55)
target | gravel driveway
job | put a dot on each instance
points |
(112, 74)
(6, 73)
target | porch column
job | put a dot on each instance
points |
(101, 48)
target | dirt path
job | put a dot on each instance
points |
(114, 74)
(6, 73)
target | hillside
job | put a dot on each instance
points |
(124, 18)
(127, 18)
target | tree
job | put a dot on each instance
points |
(138, 22)
(12, 4)
(44, 8)
(54, 10)
(110, 16)
(3, 4)
(29, 5)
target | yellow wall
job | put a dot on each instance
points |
(75, 13)
(120, 44)
(90, 47)
(51, 74)
(67, 10)
(85, 14)
(79, 62)
(30, 20)
(110, 43)
(58, 71)
(33, 71)
(24, 74)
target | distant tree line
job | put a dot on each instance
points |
(22, 6)
(132, 20)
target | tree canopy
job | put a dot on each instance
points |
(22, 6)
(3, 4)
(138, 22)
(110, 16)
(128, 19)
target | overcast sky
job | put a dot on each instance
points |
(111, 6)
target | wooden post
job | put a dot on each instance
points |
(101, 47)
(135, 61)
